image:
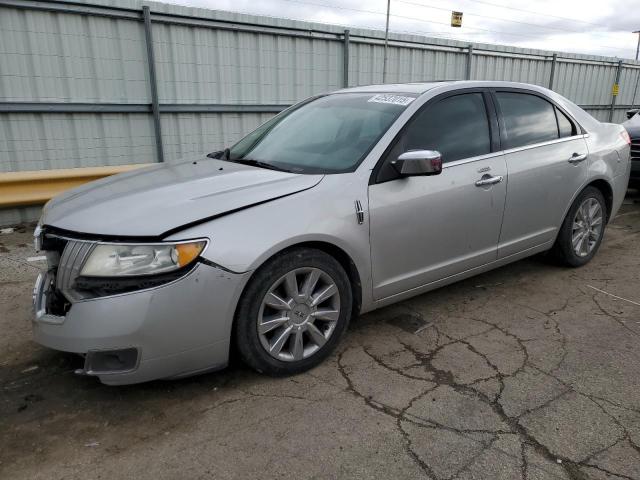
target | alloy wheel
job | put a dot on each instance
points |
(587, 227)
(298, 314)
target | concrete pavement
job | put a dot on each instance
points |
(531, 371)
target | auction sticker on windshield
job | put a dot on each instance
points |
(393, 99)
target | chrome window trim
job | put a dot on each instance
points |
(478, 158)
(542, 144)
(464, 161)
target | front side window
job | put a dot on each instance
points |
(456, 126)
(528, 119)
(329, 134)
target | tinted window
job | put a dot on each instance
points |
(527, 119)
(457, 127)
(565, 127)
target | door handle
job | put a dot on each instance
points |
(487, 180)
(577, 158)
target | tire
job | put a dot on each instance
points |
(256, 336)
(563, 249)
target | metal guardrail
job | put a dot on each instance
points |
(37, 187)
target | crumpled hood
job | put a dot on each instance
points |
(154, 200)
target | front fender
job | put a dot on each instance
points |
(245, 240)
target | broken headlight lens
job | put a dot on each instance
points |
(122, 260)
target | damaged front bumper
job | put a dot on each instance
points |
(173, 330)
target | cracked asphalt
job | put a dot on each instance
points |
(529, 372)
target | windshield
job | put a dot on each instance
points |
(329, 134)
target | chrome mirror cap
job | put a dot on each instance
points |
(419, 162)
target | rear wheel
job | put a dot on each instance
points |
(583, 228)
(293, 312)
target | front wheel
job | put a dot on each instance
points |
(293, 312)
(582, 230)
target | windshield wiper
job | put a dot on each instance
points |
(226, 155)
(258, 163)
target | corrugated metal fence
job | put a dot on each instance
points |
(116, 82)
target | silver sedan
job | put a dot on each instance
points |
(339, 205)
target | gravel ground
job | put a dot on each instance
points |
(531, 371)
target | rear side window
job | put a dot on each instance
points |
(456, 126)
(565, 127)
(527, 119)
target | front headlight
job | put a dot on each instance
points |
(123, 260)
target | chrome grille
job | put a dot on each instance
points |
(73, 257)
(635, 149)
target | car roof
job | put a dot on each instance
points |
(422, 87)
(419, 88)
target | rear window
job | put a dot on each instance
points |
(528, 119)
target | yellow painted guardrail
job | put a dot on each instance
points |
(37, 187)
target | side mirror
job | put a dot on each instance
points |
(632, 112)
(419, 162)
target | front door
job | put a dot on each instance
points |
(424, 229)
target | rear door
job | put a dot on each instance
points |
(426, 228)
(546, 158)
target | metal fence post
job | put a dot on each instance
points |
(554, 60)
(155, 108)
(613, 97)
(345, 60)
(469, 60)
(635, 90)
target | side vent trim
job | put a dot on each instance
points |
(359, 212)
